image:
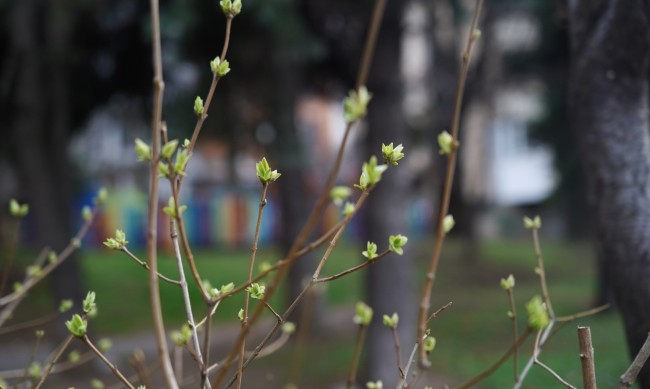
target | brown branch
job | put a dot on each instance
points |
(628, 378)
(579, 315)
(108, 363)
(438, 312)
(446, 196)
(251, 266)
(58, 354)
(361, 336)
(352, 269)
(487, 372)
(146, 266)
(154, 287)
(586, 358)
(542, 272)
(398, 352)
(513, 317)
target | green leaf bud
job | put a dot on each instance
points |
(348, 209)
(169, 148)
(240, 314)
(102, 195)
(186, 143)
(256, 291)
(86, 213)
(363, 314)
(74, 356)
(182, 337)
(104, 345)
(51, 257)
(370, 174)
(371, 251)
(264, 172)
(34, 271)
(339, 193)
(392, 155)
(391, 321)
(288, 327)
(34, 370)
(97, 384)
(537, 314)
(264, 266)
(396, 242)
(77, 326)
(17, 287)
(18, 210)
(534, 223)
(163, 170)
(198, 106)
(89, 302)
(375, 385)
(65, 305)
(429, 344)
(508, 283)
(448, 223)
(142, 150)
(355, 105)
(447, 143)
(39, 333)
(75, 242)
(219, 67)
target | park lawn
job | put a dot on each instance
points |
(471, 335)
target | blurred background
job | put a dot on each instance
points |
(76, 91)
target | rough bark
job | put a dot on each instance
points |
(610, 57)
(390, 281)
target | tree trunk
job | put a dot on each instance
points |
(610, 57)
(39, 134)
(390, 281)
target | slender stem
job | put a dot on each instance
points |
(142, 370)
(206, 340)
(146, 266)
(352, 269)
(554, 374)
(542, 272)
(108, 363)
(446, 196)
(48, 369)
(586, 358)
(540, 341)
(438, 312)
(301, 343)
(277, 316)
(487, 372)
(362, 199)
(154, 287)
(628, 378)
(398, 352)
(361, 336)
(31, 357)
(213, 87)
(251, 266)
(186, 296)
(513, 317)
(369, 46)
(404, 381)
(32, 323)
(579, 315)
(242, 334)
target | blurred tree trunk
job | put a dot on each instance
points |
(390, 281)
(39, 129)
(610, 64)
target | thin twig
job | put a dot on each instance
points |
(579, 315)
(438, 312)
(586, 358)
(446, 196)
(513, 317)
(108, 363)
(361, 336)
(487, 372)
(154, 287)
(542, 272)
(31, 323)
(628, 378)
(352, 269)
(398, 352)
(32, 356)
(56, 357)
(186, 295)
(404, 381)
(146, 266)
(251, 266)
(142, 370)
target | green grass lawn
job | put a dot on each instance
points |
(471, 335)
